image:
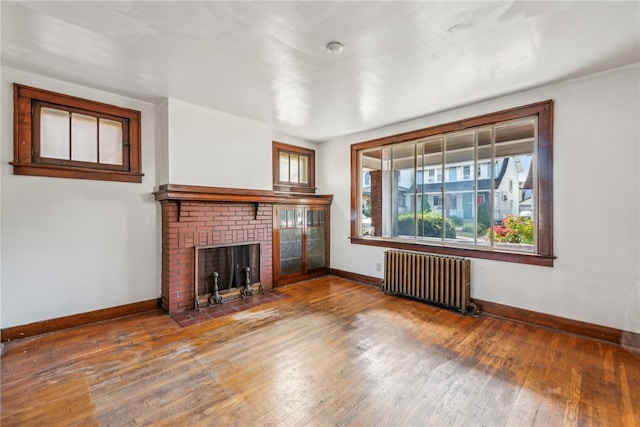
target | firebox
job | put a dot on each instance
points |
(225, 272)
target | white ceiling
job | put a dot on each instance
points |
(267, 60)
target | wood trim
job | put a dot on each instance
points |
(544, 112)
(241, 195)
(26, 149)
(361, 278)
(37, 328)
(278, 185)
(571, 326)
(304, 273)
(483, 120)
(299, 277)
(55, 171)
(522, 258)
(528, 317)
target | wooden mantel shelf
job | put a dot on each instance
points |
(195, 193)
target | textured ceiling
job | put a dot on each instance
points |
(267, 60)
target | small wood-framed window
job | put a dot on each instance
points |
(62, 136)
(293, 168)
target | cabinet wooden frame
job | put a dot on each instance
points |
(305, 273)
(27, 102)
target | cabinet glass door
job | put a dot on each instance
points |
(291, 226)
(316, 246)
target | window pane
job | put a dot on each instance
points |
(316, 248)
(293, 171)
(291, 219)
(110, 142)
(371, 193)
(54, 134)
(290, 250)
(84, 138)
(458, 216)
(283, 218)
(304, 169)
(483, 201)
(299, 218)
(400, 181)
(387, 218)
(514, 193)
(429, 225)
(284, 167)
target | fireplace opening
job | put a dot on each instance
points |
(226, 272)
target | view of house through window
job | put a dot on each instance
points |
(422, 190)
(456, 207)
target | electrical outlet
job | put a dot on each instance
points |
(378, 266)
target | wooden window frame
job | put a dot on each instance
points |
(285, 185)
(544, 229)
(27, 102)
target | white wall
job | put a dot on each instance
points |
(72, 246)
(211, 148)
(596, 276)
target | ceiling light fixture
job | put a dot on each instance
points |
(335, 47)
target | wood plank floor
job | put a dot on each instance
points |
(333, 353)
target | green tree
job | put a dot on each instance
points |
(366, 209)
(483, 217)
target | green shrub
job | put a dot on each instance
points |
(457, 221)
(468, 229)
(429, 225)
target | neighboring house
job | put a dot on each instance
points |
(459, 188)
(526, 195)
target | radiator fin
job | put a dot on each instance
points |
(442, 280)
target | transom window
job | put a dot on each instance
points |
(502, 213)
(63, 136)
(69, 136)
(293, 168)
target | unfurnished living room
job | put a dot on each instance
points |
(320, 213)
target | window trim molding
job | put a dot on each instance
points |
(24, 142)
(544, 238)
(278, 186)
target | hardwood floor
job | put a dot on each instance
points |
(333, 353)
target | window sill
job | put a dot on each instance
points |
(283, 188)
(72, 172)
(522, 258)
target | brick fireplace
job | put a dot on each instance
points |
(186, 225)
(203, 216)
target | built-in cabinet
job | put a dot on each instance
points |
(300, 242)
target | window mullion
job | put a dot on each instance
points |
(98, 139)
(415, 191)
(443, 149)
(70, 135)
(492, 184)
(474, 200)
